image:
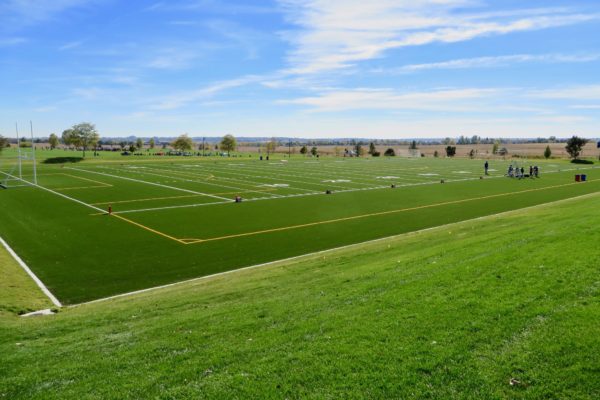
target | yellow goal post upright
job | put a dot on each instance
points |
(11, 174)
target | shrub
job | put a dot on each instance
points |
(580, 161)
(62, 160)
(389, 152)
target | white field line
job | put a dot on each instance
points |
(58, 194)
(285, 176)
(187, 174)
(269, 178)
(291, 170)
(404, 174)
(37, 280)
(300, 195)
(422, 183)
(149, 183)
(203, 182)
(173, 207)
(334, 249)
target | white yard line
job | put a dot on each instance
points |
(301, 195)
(149, 183)
(269, 178)
(188, 173)
(37, 280)
(316, 253)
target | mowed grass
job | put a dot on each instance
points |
(174, 218)
(456, 312)
(18, 292)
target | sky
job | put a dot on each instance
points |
(310, 69)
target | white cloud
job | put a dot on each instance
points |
(27, 12)
(454, 100)
(173, 58)
(497, 61)
(12, 41)
(70, 45)
(588, 92)
(336, 34)
(585, 107)
(178, 100)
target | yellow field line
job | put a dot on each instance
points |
(147, 228)
(87, 179)
(376, 214)
(147, 199)
(174, 197)
(100, 184)
(81, 187)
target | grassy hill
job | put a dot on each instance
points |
(453, 312)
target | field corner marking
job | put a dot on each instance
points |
(148, 228)
(37, 280)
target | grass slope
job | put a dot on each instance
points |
(454, 312)
(18, 292)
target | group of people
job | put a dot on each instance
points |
(516, 172)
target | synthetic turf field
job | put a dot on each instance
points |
(174, 218)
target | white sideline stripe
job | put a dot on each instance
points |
(37, 280)
(297, 195)
(172, 207)
(334, 249)
(149, 183)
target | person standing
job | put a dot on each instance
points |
(486, 166)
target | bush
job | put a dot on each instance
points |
(376, 154)
(62, 160)
(580, 161)
(389, 152)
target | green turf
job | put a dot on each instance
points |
(171, 201)
(452, 313)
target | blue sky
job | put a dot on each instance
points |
(320, 68)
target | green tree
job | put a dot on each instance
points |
(574, 146)
(151, 143)
(390, 153)
(3, 143)
(182, 143)
(271, 146)
(228, 143)
(450, 151)
(372, 149)
(358, 149)
(313, 151)
(83, 135)
(304, 150)
(413, 145)
(436, 154)
(139, 144)
(547, 152)
(53, 141)
(495, 147)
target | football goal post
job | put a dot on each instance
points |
(19, 168)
